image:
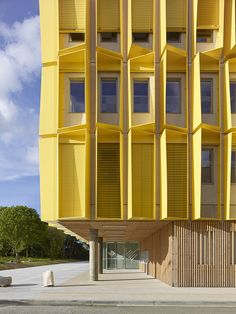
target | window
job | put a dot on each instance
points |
(173, 95)
(140, 37)
(141, 99)
(108, 95)
(108, 37)
(76, 37)
(173, 37)
(204, 36)
(233, 167)
(233, 96)
(77, 96)
(206, 95)
(207, 165)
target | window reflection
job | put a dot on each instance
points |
(206, 95)
(77, 96)
(141, 96)
(109, 95)
(173, 96)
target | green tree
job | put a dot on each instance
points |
(20, 227)
(54, 242)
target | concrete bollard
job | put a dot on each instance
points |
(48, 279)
(5, 281)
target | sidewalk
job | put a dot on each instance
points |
(72, 286)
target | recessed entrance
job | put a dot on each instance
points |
(121, 255)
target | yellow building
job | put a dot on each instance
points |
(138, 133)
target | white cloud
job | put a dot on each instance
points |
(19, 69)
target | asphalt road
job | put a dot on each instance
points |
(36, 309)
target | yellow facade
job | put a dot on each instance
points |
(128, 165)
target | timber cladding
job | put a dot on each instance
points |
(193, 253)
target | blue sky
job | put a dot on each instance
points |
(19, 102)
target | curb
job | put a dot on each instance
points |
(114, 303)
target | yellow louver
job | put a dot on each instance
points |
(177, 185)
(108, 16)
(72, 15)
(208, 14)
(108, 180)
(72, 187)
(176, 14)
(142, 15)
(142, 180)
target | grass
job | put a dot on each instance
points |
(10, 263)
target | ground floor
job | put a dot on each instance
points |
(179, 253)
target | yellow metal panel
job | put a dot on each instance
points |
(143, 180)
(108, 180)
(227, 174)
(163, 91)
(48, 178)
(176, 14)
(196, 174)
(142, 15)
(226, 108)
(72, 187)
(108, 15)
(229, 25)
(196, 93)
(49, 27)
(177, 180)
(163, 176)
(48, 102)
(208, 13)
(72, 15)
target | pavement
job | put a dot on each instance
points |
(72, 287)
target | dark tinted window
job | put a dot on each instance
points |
(76, 36)
(233, 167)
(140, 37)
(204, 36)
(173, 37)
(141, 96)
(207, 165)
(108, 37)
(206, 95)
(109, 95)
(233, 96)
(173, 96)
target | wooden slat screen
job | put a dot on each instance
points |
(108, 180)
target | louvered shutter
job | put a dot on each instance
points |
(72, 15)
(177, 180)
(142, 15)
(208, 14)
(176, 14)
(108, 16)
(108, 180)
(142, 180)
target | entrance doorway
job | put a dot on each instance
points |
(120, 255)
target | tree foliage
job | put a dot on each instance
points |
(22, 232)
